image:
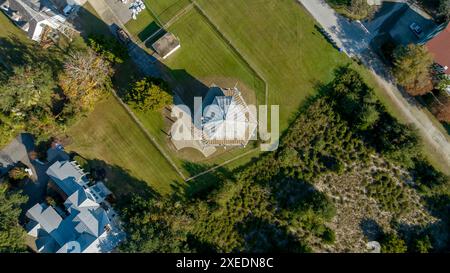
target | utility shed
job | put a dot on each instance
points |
(166, 45)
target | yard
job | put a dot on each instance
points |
(163, 10)
(281, 40)
(110, 136)
(225, 43)
(204, 58)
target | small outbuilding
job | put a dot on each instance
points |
(166, 45)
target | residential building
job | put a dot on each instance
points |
(85, 223)
(221, 119)
(37, 18)
(439, 47)
(226, 119)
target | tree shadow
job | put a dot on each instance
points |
(371, 229)
(261, 236)
(205, 185)
(14, 52)
(118, 180)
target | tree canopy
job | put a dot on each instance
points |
(12, 235)
(441, 108)
(149, 94)
(86, 78)
(412, 69)
(392, 243)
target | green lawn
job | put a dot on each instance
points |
(204, 58)
(293, 62)
(280, 39)
(109, 134)
(8, 28)
(162, 10)
(110, 138)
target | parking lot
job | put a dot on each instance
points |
(395, 19)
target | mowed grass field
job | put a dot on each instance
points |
(110, 135)
(162, 10)
(203, 59)
(280, 39)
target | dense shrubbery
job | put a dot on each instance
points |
(388, 192)
(354, 9)
(46, 89)
(392, 243)
(108, 48)
(12, 235)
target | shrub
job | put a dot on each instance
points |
(391, 243)
(108, 48)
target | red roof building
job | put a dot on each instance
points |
(439, 46)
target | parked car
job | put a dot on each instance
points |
(416, 29)
(68, 10)
(123, 36)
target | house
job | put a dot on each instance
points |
(439, 47)
(166, 45)
(85, 224)
(36, 17)
(221, 119)
(226, 119)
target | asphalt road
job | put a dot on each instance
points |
(354, 39)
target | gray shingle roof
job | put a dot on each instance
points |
(86, 221)
(67, 176)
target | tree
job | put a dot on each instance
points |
(30, 88)
(149, 94)
(412, 69)
(359, 8)
(12, 235)
(423, 244)
(391, 243)
(443, 82)
(86, 78)
(369, 116)
(17, 174)
(444, 9)
(108, 48)
(441, 108)
(149, 228)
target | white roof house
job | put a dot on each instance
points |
(33, 16)
(227, 119)
(222, 119)
(85, 226)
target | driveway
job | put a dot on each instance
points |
(36, 190)
(351, 36)
(354, 40)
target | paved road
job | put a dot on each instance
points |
(354, 39)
